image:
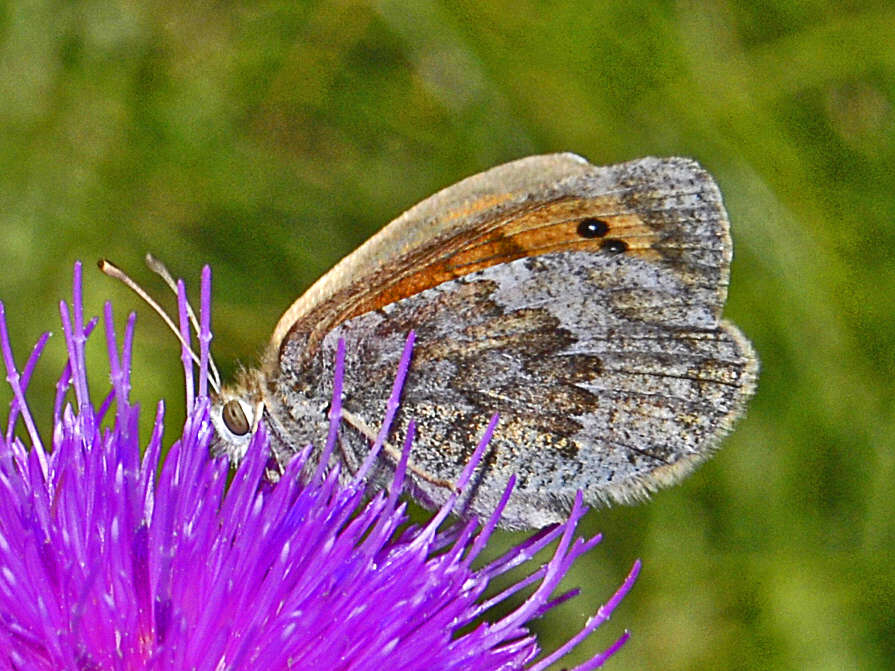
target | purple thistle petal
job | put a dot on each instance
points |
(110, 560)
(204, 329)
(185, 354)
(65, 380)
(14, 380)
(391, 407)
(14, 408)
(602, 615)
(335, 414)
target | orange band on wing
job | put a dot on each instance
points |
(498, 237)
(542, 230)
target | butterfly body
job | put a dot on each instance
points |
(582, 303)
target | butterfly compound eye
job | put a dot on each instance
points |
(235, 418)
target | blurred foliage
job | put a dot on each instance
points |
(269, 139)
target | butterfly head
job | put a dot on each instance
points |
(236, 413)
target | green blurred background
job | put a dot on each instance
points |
(270, 139)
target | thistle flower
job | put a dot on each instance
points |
(113, 560)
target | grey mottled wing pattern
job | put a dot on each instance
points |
(612, 370)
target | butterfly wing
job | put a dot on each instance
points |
(404, 256)
(583, 305)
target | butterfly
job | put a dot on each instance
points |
(581, 303)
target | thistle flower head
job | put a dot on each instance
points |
(113, 557)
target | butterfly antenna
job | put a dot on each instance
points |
(113, 271)
(159, 268)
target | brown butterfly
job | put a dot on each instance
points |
(582, 303)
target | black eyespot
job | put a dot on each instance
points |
(592, 228)
(615, 246)
(234, 418)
